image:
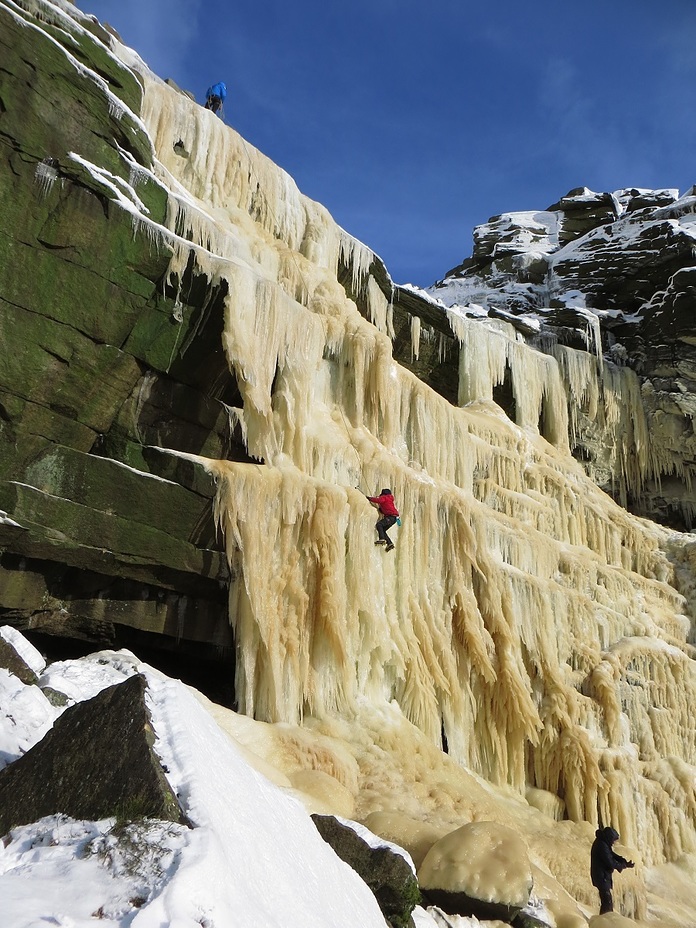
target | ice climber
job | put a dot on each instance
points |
(215, 97)
(385, 504)
(603, 862)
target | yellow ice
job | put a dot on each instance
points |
(482, 859)
(523, 615)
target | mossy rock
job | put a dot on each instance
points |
(11, 660)
(113, 488)
(387, 873)
(50, 106)
(90, 537)
(96, 761)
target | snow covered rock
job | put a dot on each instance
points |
(668, 317)
(387, 873)
(480, 869)
(582, 210)
(96, 761)
(13, 661)
(620, 265)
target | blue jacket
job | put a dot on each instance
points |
(217, 90)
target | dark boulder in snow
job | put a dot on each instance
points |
(96, 762)
(387, 873)
(15, 663)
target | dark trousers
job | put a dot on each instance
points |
(213, 103)
(606, 901)
(384, 523)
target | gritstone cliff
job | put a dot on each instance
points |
(199, 367)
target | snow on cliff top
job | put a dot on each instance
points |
(524, 238)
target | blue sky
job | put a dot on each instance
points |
(413, 121)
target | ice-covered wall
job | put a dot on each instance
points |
(567, 395)
(523, 614)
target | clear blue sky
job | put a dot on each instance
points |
(413, 121)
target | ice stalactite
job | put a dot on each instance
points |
(565, 395)
(415, 337)
(45, 176)
(487, 351)
(609, 398)
(523, 613)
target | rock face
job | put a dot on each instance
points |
(610, 273)
(96, 762)
(386, 873)
(108, 536)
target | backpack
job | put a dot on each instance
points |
(218, 90)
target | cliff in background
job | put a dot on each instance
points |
(610, 273)
(199, 366)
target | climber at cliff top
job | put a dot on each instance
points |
(215, 96)
(603, 861)
(385, 504)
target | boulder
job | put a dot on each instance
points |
(637, 198)
(515, 233)
(481, 869)
(582, 210)
(387, 873)
(11, 660)
(96, 762)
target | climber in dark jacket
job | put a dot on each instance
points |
(385, 503)
(215, 96)
(603, 862)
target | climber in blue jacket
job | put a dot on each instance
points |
(215, 97)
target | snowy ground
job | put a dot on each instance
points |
(253, 857)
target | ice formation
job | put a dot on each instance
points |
(525, 622)
(485, 861)
(524, 614)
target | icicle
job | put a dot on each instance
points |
(358, 257)
(378, 307)
(415, 337)
(45, 175)
(116, 108)
(520, 605)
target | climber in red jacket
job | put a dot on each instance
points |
(385, 503)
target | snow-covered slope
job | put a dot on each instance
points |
(253, 857)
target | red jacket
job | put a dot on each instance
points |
(385, 504)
